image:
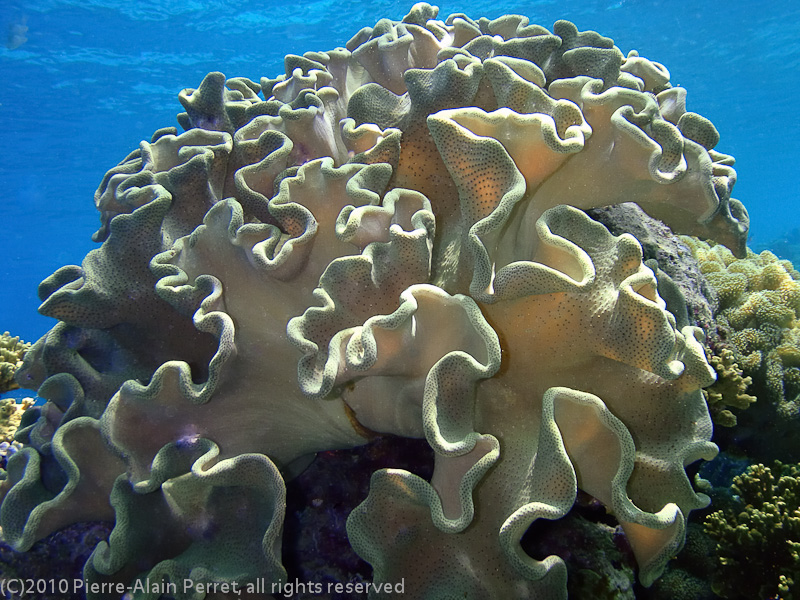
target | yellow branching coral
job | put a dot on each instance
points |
(758, 536)
(760, 288)
(730, 389)
(759, 300)
(10, 416)
(12, 350)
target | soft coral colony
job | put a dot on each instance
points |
(388, 238)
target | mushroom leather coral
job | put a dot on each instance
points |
(386, 238)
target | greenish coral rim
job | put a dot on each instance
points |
(385, 483)
(361, 352)
(448, 437)
(486, 286)
(516, 279)
(28, 501)
(207, 319)
(273, 254)
(84, 296)
(181, 474)
(551, 446)
(29, 505)
(435, 395)
(364, 184)
(637, 114)
(351, 220)
(492, 283)
(60, 389)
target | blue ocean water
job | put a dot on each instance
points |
(84, 81)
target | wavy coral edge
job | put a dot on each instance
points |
(194, 464)
(551, 439)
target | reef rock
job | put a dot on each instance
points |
(387, 238)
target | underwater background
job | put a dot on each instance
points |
(85, 81)
(92, 79)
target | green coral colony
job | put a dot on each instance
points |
(387, 239)
(757, 533)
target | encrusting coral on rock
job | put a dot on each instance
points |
(385, 239)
